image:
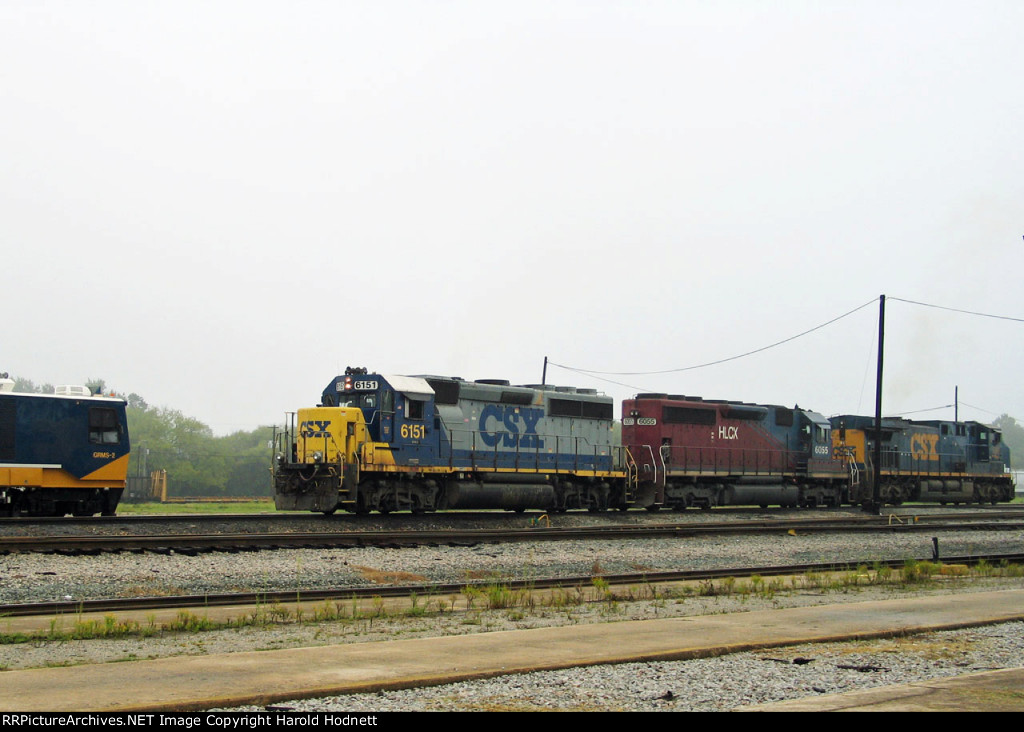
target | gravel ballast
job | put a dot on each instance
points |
(725, 683)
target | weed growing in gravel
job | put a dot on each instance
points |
(191, 623)
(472, 593)
(415, 609)
(707, 588)
(915, 572)
(882, 573)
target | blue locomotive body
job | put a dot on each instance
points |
(428, 442)
(61, 454)
(932, 461)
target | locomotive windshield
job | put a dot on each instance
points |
(365, 401)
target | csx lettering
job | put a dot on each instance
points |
(728, 433)
(509, 419)
(924, 447)
(315, 428)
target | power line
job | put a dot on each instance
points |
(986, 411)
(920, 411)
(709, 363)
(598, 374)
(957, 310)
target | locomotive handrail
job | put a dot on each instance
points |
(654, 462)
(564, 456)
(733, 460)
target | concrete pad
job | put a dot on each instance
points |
(201, 682)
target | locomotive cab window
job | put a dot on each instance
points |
(103, 426)
(414, 408)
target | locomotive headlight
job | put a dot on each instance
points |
(279, 458)
(318, 457)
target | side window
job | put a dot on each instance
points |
(103, 426)
(387, 402)
(414, 409)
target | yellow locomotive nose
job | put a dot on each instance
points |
(320, 435)
(323, 467)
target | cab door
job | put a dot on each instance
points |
(387, 416)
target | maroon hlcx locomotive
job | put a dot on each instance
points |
(713, 453)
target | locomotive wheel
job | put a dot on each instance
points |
(653, 509)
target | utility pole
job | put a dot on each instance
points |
(875, 506)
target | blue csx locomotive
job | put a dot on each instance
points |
(390, 443)
(424, 443)
(932, 461)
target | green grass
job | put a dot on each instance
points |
(521, 604)
(197, 507)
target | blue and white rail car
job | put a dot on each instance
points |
(61, 454)
(422, 443)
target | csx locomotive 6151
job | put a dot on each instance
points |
(422, 443)
(425, 443)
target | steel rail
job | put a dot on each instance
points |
(345, 519)
(193, 543)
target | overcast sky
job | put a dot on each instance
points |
(220, 205)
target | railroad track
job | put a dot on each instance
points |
(195, 543)
(267, 598)
(342, 522)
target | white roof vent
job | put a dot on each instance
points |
(72, 390)
(6, 384)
